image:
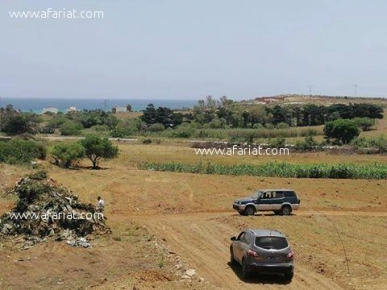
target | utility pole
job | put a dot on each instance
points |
(310, 90)
(105, 104)
(355, 86)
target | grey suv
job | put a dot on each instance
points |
(262, 251)
(280, 201)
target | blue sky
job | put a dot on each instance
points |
(170, 49)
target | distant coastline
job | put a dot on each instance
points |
(36, 105)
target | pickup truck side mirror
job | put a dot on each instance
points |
(233, 239)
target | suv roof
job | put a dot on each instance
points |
(266, 233)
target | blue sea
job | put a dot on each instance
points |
(36, 105)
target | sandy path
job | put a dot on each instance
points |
(203, 242)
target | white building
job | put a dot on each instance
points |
(50, 110)
(120, 109)
(72, 109)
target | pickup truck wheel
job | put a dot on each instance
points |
(249, 210)
(286, 210)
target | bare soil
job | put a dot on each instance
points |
(166, 223)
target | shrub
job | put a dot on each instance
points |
(277, 142)
(341, 131)
(365, 123)
(282, 125)
(100, 128)
(308, 144)
(70, 128)
(120, 132)
(184, 130)
(157, 127)
(21, 151)
(65, 153)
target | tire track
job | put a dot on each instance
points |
(196, 239)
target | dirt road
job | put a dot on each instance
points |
(203, 242)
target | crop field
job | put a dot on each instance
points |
(164, 223)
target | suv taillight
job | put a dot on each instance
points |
(252, 253)
(290, 254)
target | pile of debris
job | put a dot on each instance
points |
(46, 210)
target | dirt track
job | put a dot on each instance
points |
(201, 240)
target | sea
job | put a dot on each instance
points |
(36, 105)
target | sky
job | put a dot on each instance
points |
(176, 49)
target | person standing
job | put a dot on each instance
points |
(100, 205)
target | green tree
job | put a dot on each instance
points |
(97, 148)
(341, 131)
(17, 124)
(65, 153)
(70, 127)
(364, 123)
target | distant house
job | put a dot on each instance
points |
(71, 109)
(119, 109)
(50, 110)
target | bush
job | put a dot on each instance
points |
(341, 131)
(308, 144)
(282, 126)
(365, 123)
(157, 127)
(120, 132)
(100, 128)
(21, 151)
(66, 153)
(184, 130)
(277, 142)
(71, 128)
(380, 143)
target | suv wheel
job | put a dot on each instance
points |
(250, 210)
(286, 210)
(289, 276)
(245, 271)
(232, 259)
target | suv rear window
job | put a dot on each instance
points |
(290, 194)
(276, 243)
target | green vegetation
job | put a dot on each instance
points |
(341, 131)
(21, 151)
(97, 148)
(210, 119)
(307, 145)
(14, 122)
(66, 153)
(273, 169)
(379, 143)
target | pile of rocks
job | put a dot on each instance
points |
(46, 210)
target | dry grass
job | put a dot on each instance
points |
(354, 207)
